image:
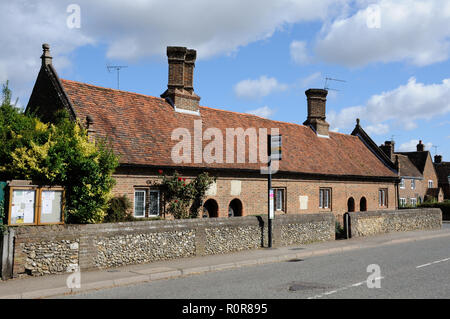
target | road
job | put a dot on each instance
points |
(407, 270)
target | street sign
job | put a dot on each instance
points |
(271, 204)
(275, 147)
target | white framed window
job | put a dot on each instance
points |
(402, 202)
(279, 199)
(324, 197)
(413, 201)
(153, 206)
(430, 184)
(382, 197)
(402, 183)
(413, 184)
(139, 202)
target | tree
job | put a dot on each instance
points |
(184, 198)
(57, 154)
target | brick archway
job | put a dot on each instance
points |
(351, 205)
(210, 208)
(363, 204)
(235, 208)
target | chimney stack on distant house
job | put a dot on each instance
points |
(438, 159)
(420, 147)
(180, 88)
(46, 57)
(316, 111)
(388, 149)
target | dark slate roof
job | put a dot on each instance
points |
(442, 171)
(140, 128)
(407, 168)
(419, 159)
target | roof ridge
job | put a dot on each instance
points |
(111, 89)
(270, 120)
(206, 107)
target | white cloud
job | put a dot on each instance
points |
(264, 111)
(147, 27)
(253, 89)
(377, 129)
(310, 79)
(299, 52)
(411, 146)
(413, 30)
(140, 29)
(24, 27)
(403, 106)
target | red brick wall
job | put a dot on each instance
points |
(253, 194)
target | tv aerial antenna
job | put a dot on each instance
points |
(325, 87)
(435, 149)
(117, 68)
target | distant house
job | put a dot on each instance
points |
(419, 181)
(321, 171)
(443, 173)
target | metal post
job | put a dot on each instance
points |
(269, 219)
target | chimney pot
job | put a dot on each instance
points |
(388, 149)
(180, 88)
(316, 111)
(420, 147)
(438, 159)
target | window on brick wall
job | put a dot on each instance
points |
(279, 194)
(153, 205)
(413, 184)
(139, 202)
(146, 202)
(325, 198)
(430, 184)
(402, 202)
(402, 183)
(413, 201)
(382, 197)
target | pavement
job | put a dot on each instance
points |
(56, 285)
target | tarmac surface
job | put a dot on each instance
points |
(91, 281)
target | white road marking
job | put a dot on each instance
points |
(433, 262)
(341, 289)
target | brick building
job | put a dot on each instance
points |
(321, 171)
(419, 181)
(443, 173)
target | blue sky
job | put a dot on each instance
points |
(256, 56)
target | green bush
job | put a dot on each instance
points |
(57, 154)
(118, 210)
(444, 206)
(340, 231)
(184, 198)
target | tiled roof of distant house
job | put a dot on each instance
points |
(407, 168)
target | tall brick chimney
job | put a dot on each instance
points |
(316, 111)
(438, 159)
(388, 149)
(420, 147)
(180, 88)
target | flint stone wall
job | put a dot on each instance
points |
(53, 249)
(379, 222)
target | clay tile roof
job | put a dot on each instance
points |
(407, 168)
(140, 129)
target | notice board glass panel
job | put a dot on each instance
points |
(23, 206)
(51, 204)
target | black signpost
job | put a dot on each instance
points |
(274, 153)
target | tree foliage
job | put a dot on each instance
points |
(57, 154)
(184, 198)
